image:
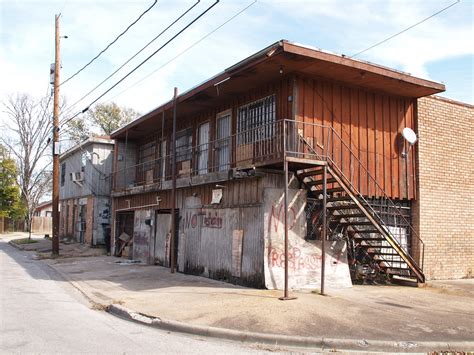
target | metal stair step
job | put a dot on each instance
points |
(342, 207)
(366, 246)
(307, 173)
(351, 215)
(339, 198)
(329, 191)
(356, 223)
(376, 253)
(359, 231)
(319, 182)
(394, 267)
(372, 239)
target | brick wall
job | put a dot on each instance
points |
(444, 211)
(89, 221)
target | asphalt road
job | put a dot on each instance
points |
(41, 313)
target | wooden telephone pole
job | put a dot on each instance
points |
(57, 67)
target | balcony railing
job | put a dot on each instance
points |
(262, 145)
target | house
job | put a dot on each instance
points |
(84, 191)
(290, 160)
(44, 209)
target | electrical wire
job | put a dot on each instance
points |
(143, 62)
(137, 53)
(405, 30)
(110, 44)
(185, 50)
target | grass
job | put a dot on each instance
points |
(24, 241)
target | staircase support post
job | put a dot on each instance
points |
(286, 296)
(325, 228)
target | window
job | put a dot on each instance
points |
(255, 121)
(84, 159)
(146, 160)
(63, 173)
(184, 142)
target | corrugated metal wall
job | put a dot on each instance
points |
(206, 231)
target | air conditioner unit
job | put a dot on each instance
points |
(77, 176)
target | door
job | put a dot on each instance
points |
(203, 148)
(223, 149)
(124, 226)
(162, 239)
(82, 223)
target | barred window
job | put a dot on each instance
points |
(255, 121)
(184, 143)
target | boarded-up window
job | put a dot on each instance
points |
(146, 160)
(255, 121)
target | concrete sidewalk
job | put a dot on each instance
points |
(408, 318)
(43, 246)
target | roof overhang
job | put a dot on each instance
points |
(265, 66)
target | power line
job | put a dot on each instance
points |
(141, 50)
(405, 30)
(144, 61)
(110, 44)
(185, 50)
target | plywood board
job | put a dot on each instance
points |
(304, 258)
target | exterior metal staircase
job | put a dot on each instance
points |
(377, 228)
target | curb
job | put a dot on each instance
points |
(287, 340)
(319, 343)
(19, 247)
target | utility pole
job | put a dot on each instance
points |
(173, 188)
(57, 67)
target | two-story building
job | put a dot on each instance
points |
(84, 191)
(291, 144)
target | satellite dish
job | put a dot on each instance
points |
(409, 135)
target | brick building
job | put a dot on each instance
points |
(443, 212)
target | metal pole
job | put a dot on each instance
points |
(286, 228)
(285, 163)
(325, 228)
(55, 193)
(125, 172)
(173, 189)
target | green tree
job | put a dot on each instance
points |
(10, 197)
(77, 130)
(109, 117)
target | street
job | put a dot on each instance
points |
(42, 314)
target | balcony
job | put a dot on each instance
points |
(218, 160)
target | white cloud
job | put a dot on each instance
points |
(27, 30)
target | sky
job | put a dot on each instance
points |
(440, 49)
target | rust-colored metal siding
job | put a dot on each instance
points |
(370, 124)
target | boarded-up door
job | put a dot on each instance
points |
(223, 151)
(162, 239)
(203, 148)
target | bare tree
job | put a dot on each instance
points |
(30, 126)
